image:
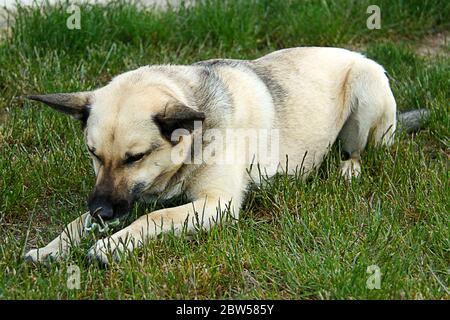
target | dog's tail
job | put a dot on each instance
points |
(413, 120)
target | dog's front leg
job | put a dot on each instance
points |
(60, 246)
(200, 214)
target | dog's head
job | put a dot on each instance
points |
(128, 133)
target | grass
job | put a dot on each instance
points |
(310, 239)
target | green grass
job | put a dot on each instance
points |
(310, 239)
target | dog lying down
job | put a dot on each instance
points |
(210, 129)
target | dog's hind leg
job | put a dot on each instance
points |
(353, 139)
(60, 246)
(372, 115)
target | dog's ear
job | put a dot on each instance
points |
(177, 116)
(74, 104)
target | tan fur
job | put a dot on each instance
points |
(310, 95)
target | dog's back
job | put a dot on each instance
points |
(318, 94)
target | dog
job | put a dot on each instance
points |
(134, 127)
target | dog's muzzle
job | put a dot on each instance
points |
(103, 216)
(102, 208)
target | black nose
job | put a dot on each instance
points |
(104, 207)
(99, 207)
(106, 213)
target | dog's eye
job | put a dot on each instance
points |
(92, 151)
(134, 158)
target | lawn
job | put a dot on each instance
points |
(295, 239)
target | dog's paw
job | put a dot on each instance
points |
(350, 169)
(42, 255)
(103, 253)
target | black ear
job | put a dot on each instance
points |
(74, 104)
(177, 116)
